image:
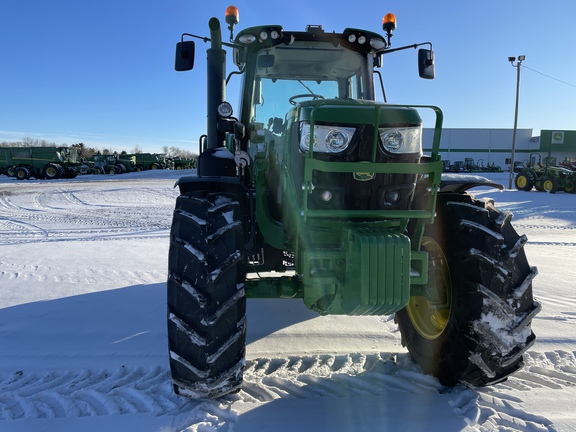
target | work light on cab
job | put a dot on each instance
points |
(225, 110)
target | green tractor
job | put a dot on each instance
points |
(148, 161)
(112, 164)
(545, 178)
(181, 163)
(316, 191)
(41, 162)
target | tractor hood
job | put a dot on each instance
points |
(349, 111)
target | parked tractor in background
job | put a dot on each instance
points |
(545, 178)
(41, 162)
(468, 165)
(112, 164)
(319, 192)
(181, 163)
(148, 161)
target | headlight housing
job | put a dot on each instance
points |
(401, 140)
(327, 139)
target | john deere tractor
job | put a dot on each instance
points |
(544, 177)
(316, 191)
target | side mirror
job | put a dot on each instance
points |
(426, 63)
(184, 56)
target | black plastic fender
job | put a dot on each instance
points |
(216, 162)
(211, 184)
(459, 183)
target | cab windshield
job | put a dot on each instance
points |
(287, 75)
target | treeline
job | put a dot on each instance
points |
(88, 152)
(176, 152)
(30, 142)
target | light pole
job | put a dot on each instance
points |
(517, 66)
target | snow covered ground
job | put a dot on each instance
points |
(83, 334)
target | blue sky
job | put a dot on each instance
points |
(102, 72)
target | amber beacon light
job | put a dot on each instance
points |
(389, 22)
(232, 15)
(232, 18)
(389, 25)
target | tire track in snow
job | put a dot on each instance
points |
(5, 201)
(71, 212)
(136, 390)
(96, 275)
(18, 228)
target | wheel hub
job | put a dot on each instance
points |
(430, 313)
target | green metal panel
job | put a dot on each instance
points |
(378, 269)
(368, 275)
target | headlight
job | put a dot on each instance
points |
(305, 140)
(401, 140)
(327, 139)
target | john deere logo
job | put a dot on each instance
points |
(363, 176)
(557, 137)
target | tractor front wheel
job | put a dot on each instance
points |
(472, 322)
(550, 184)
(206, 296)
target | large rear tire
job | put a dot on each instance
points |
(206, 296)
(473, 322)
(524, 181)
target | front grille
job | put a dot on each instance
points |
(347, 191)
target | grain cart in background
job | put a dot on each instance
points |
(545, 178)
(43, 162)
(316, 191)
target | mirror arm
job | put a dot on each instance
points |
(414, 46)
(206, 39)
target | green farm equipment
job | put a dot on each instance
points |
(181, 163)
(41, 162)
(111, 164)
(316, 191)
(6, 164)
(545, 178)
(148, 161)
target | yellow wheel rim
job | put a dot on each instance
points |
(429, 314)
(521, 181)
(547, 186)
